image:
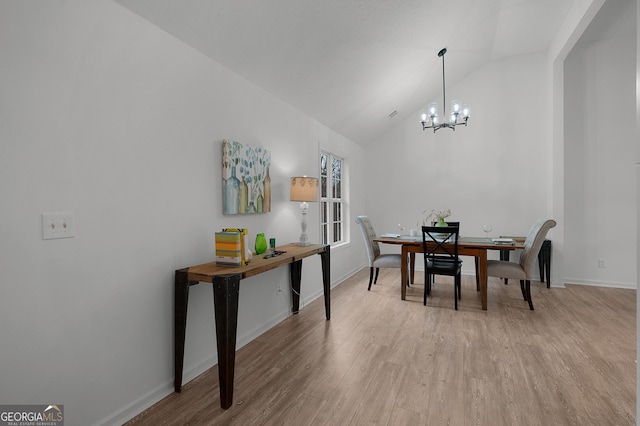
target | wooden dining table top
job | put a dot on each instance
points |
(471, 242)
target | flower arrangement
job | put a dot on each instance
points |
(438, 215)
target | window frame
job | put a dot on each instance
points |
(330, 201)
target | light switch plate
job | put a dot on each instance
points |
(58, 225)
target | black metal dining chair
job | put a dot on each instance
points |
(477, 265)
(440, 249)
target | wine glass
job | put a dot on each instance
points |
(487, 229)
(401, 229)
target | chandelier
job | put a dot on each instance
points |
(459, 114)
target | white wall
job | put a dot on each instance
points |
(600, 148)
(106, 116)
(492, 172)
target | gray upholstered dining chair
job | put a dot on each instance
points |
(376, 259)
(523, 270)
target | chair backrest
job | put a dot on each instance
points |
(368, 234)
(532, 244)
(440, 241)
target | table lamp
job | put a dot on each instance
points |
(304, 189)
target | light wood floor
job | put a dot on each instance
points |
(391, 362)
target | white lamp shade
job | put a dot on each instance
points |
(304, 189)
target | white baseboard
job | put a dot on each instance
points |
(137, 406)
(611, 284)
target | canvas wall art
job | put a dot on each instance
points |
(246, 184)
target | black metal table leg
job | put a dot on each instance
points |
(326, 279)
(181, 288)
(295, 272)
(226, 289)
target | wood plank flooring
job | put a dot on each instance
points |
(381, 360)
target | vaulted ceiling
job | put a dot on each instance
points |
(351, 63)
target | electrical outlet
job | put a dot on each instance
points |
(58, 225)
(278, 288)
(601, 263)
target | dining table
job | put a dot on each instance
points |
(476, 247)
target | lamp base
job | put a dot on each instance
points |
(304, 238)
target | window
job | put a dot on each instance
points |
(332, 202)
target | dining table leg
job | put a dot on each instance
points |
(482, 263)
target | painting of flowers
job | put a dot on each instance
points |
(246, 184)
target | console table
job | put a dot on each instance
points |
(226, 288)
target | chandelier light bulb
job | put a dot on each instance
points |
(455, 106)
(465, 111)
(433, 109)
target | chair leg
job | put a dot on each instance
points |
(370, 278)
(375, 281)
(524, 294)
(528, 289)
(504, 255)
(424, 299)
(547, 261)
(456, 292)
(477, 274)
(412, 267)
(426, 288)
(541, 264)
